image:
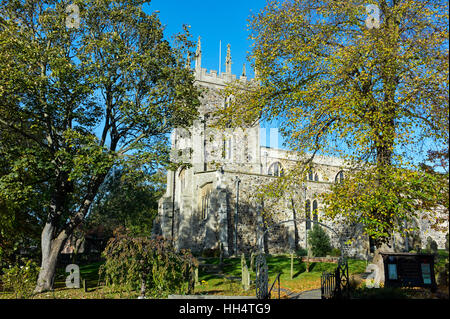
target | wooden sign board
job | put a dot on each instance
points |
(409, 270)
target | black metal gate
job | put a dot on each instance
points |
(335, 285)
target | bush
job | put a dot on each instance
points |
(301, 252)
(319, 241)
(335, 252)
(151, 265)
(21, 279)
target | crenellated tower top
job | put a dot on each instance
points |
(213, 76)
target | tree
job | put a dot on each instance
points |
(86, 98)
(151, 264)
(127, 200)
(338, 85)
(20, 213)
(319, 241)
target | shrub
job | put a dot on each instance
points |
(21, 279)
(319, 241)
(149, 264)
(335, 252)
(301, 252)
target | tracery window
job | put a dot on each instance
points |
(315, 211)
(276, 169)
(339, 177)
(308, 214)
(205, 195)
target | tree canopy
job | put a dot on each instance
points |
(128, 200)
(374, 94)
(85, 95)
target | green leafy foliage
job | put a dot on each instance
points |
(20, 278)
(301, 252)
(335, 252)
(319, 241)
(374, 97)
(128, 199)
(371, 197)
(134, 261)
(76, 102)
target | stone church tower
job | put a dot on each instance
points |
(195, 210)
(208, 205)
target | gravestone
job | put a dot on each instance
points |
(243, 262)
(196, 282)
(432, 245)
(252, 261)
(245, 274)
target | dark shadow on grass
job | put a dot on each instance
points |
(311, 266)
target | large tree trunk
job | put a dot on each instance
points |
(51, 248)
(52, 242)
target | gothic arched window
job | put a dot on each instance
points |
(226, 150)
(308, 214)
(315, 211)
(276, 169)
(316, 177)
(339, 177)
(205, 194)
(229, 100)
(310, 175)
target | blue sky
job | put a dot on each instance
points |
(216, 21)
(213, 21)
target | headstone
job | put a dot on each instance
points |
(245, 273)
(245, 278)
(196, 282)
(373, 279)
(432, 245)
(243, 262)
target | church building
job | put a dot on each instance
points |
(209, 204)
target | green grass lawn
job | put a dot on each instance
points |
(211, 283)
(216, 283)
(302, 279)
(89, 272)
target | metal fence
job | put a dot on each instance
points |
(334, 285)
(327, 285)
